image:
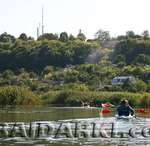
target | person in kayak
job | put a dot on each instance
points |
(124, 109)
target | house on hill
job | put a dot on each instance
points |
(120, 80)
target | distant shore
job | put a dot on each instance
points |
(22, 96)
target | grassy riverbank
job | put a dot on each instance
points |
(18, 96)
(69, 70)
(22, 96)
(72, 97)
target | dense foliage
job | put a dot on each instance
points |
(35, 55)
(68, 69)
(71, 97)
(17, 96)
(132, 51)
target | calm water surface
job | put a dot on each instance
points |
(30, 114)
(34, 114)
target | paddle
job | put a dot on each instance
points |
(105, 109)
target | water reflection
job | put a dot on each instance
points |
(32, 114)
(29, 114)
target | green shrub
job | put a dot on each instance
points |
(14, 95)
(73, 97)
(135, 86)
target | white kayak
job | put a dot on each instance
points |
(125, 117)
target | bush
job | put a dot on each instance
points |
(135, 86)
(18, 96)
(75, 86)
(73, 97)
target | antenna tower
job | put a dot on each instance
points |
(42, 20)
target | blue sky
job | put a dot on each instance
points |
(117, 16)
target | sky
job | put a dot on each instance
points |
(115, 16)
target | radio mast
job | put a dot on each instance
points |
(40, 27)
(42, 20)
(38, 30)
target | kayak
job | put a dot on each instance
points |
(125, 117)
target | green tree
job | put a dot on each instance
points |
(135, 86)
(130, 48)
(7, 38)
(81, 36)
(120, 60)
(145, 34)
(47, 72)
(77, 87)
(130, 34)
(63, 37)
(23, 37)
(8, 74)
(48, 36)
(48, 69)
(71, 37)
(102, 36)
(142, 59)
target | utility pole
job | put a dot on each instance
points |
(42, 20)
(38, 30)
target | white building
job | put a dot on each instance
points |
(119, 80)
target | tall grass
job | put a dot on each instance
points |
(72, 97)
(14, 95)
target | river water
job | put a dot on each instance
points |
(82, 127)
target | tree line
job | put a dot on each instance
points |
(24, 52)
(65, 67)
(52, 56)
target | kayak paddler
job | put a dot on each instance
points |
(124, 109)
